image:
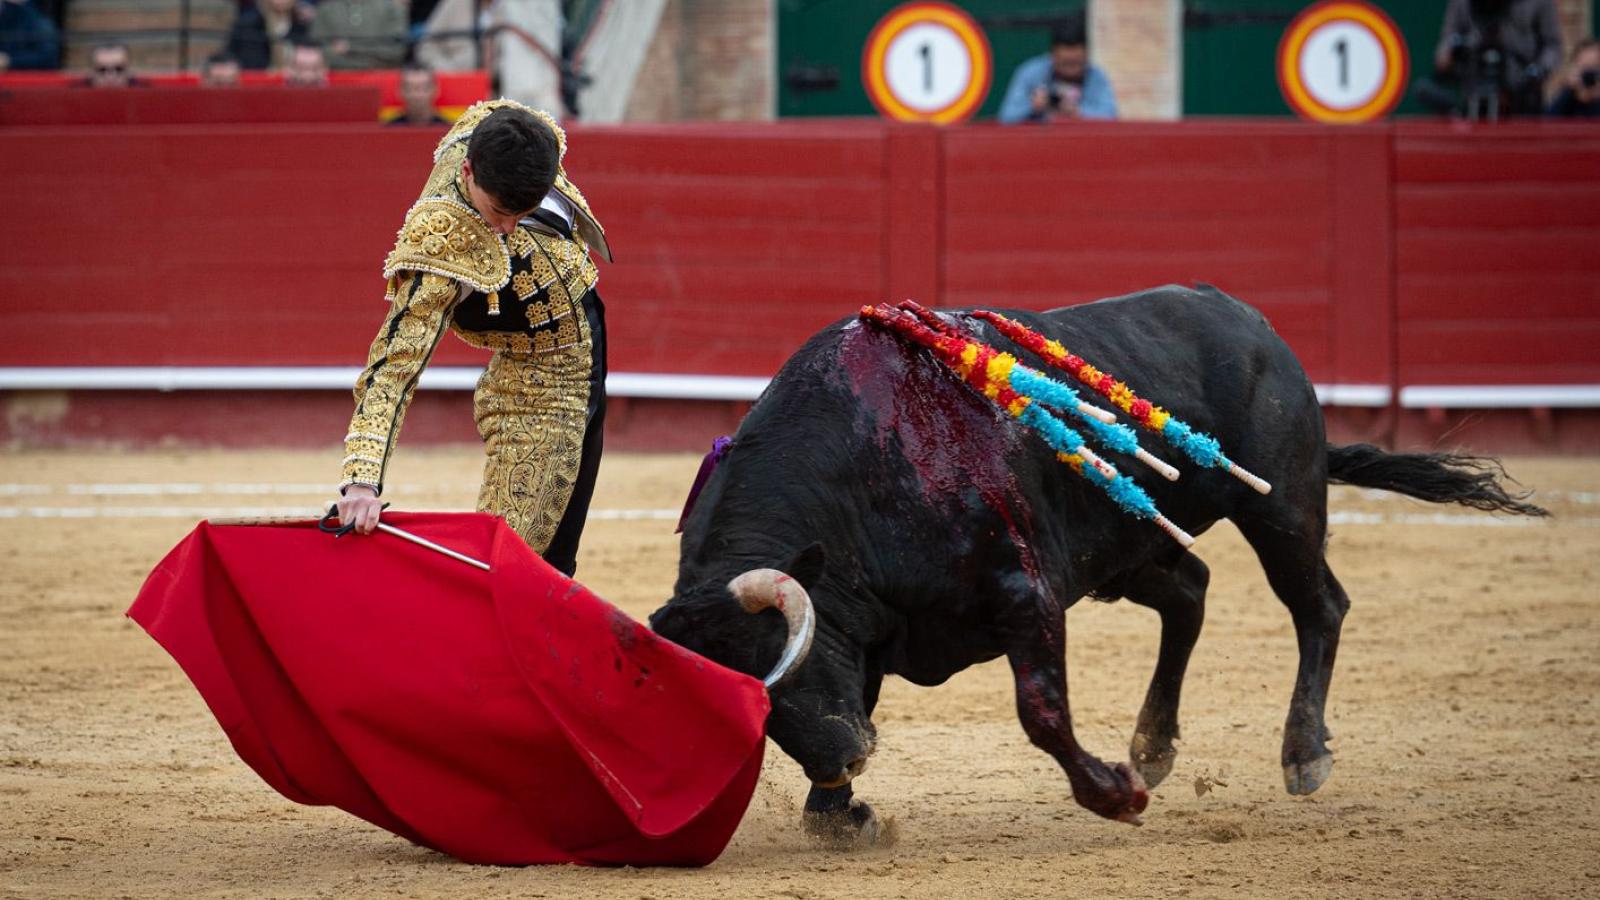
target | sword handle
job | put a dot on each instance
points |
(342, 530)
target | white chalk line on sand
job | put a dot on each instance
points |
(256, 512)
(183, 488)
(261, 489)
(1336, 518)
(1462, 520)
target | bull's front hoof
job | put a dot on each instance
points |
(854, 827)
(1151, 759)
(1303, 778)
(1116, 792)
(1139, 796)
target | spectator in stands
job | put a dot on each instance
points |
(362, 34)
(447, 44)
(1059, 85)
(221, 70)
(418, 91)
(109, 67)
(308, 65)
(1492, 58)
(263, 35)
(1580, 91)
(28, 39)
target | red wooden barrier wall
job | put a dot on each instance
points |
(179, 105)
(457, 91)
(1273, 215)
(733, 243)
(1498, 251)
(1388, 256)
(174, 245)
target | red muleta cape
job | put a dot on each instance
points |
(506, 717)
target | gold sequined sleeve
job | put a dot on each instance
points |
(418, 316)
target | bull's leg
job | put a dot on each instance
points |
(1038, 663)
(1293, 559)
(833, 817)
(1178, 593)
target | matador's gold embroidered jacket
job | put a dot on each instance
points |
(521, 294)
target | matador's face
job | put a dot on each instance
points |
(500, 218)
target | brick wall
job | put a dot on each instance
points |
(657, 90)
(711, 59)
(1140, 45)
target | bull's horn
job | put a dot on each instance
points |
(759, 589)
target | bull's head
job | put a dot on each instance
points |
(819, 715)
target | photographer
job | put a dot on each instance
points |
(1498, 54)
(1059, 85)
(1580, 92)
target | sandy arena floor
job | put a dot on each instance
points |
(1466, 708)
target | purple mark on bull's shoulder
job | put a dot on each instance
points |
(719, 452)
(953, 438)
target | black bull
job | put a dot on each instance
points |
(933, 533)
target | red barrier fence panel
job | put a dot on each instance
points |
(227, 245)
(1362, 267)
(171, 105)
(733, 244)
(1387, 256)
(457, 91)
(1498, 252)
(1045, 219)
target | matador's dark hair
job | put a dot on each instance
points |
(514, 158)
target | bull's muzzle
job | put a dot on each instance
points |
(760, 589)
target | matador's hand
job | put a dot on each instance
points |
(360, 507)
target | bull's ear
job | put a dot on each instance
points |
(805, 566)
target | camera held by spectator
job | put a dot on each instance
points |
(1061, 85)
(1064, 95)
(1580, 89)
(1492, 58)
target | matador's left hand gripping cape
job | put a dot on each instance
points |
(520, 293)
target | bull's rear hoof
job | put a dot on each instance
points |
(1153, 763)
(851, 828)
(1303, 778)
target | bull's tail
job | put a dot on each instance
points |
(1475, 481)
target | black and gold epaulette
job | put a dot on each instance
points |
(445, 237)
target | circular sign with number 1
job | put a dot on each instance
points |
(1342, 61)
(927, 62)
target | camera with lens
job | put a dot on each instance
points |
(1064, 92)
(1480, 65)
(1492, 82)
(1589, 77)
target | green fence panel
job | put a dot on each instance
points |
(1230, 52)
(819, 38)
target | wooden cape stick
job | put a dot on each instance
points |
(390, 529)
